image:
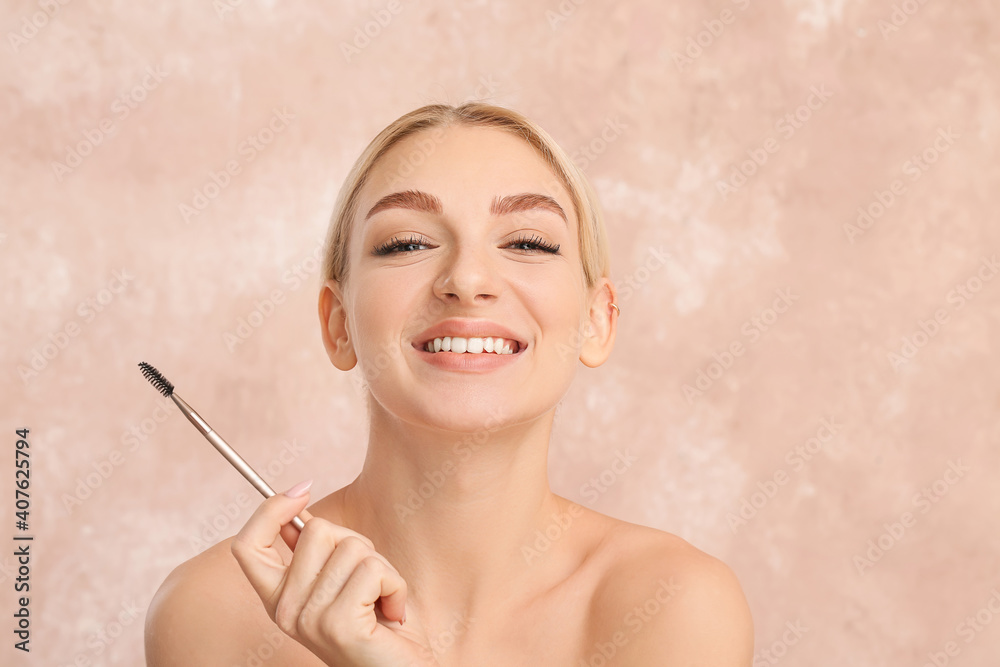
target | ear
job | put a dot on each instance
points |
(333, 324)
(600, 326)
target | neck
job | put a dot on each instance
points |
(457, 514)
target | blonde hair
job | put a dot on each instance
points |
(592, 233)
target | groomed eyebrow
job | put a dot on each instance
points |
(411, 199)
(421, 201)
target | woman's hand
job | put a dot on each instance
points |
(338, 597)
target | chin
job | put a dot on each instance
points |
(477, 418)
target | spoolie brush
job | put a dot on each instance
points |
(167, 389)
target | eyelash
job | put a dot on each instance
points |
(537, 243)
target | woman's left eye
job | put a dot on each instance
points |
(535, 244)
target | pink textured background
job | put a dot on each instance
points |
(676, 129)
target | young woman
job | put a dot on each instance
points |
(466, 275)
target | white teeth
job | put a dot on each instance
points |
(471, 345)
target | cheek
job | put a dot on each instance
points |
(380, 315)
(557, 311)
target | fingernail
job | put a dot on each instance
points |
(403, 620)
(299, 489)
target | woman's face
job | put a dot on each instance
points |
(488, 248)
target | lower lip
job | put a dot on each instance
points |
(465, 361)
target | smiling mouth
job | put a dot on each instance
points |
(472, 345)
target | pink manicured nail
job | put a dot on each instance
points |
(299, 489)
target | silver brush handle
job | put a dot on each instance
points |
(230, 453)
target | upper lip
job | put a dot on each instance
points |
(468, 329)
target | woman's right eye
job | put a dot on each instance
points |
(394, 245)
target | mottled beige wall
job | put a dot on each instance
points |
(102, 269)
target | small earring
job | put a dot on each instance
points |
(618, 309)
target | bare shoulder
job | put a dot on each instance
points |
(663, 601)
(206, 613)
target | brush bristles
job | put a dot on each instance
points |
(156, 379)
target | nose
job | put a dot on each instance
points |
(468, 275)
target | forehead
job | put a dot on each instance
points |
(468, 162)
